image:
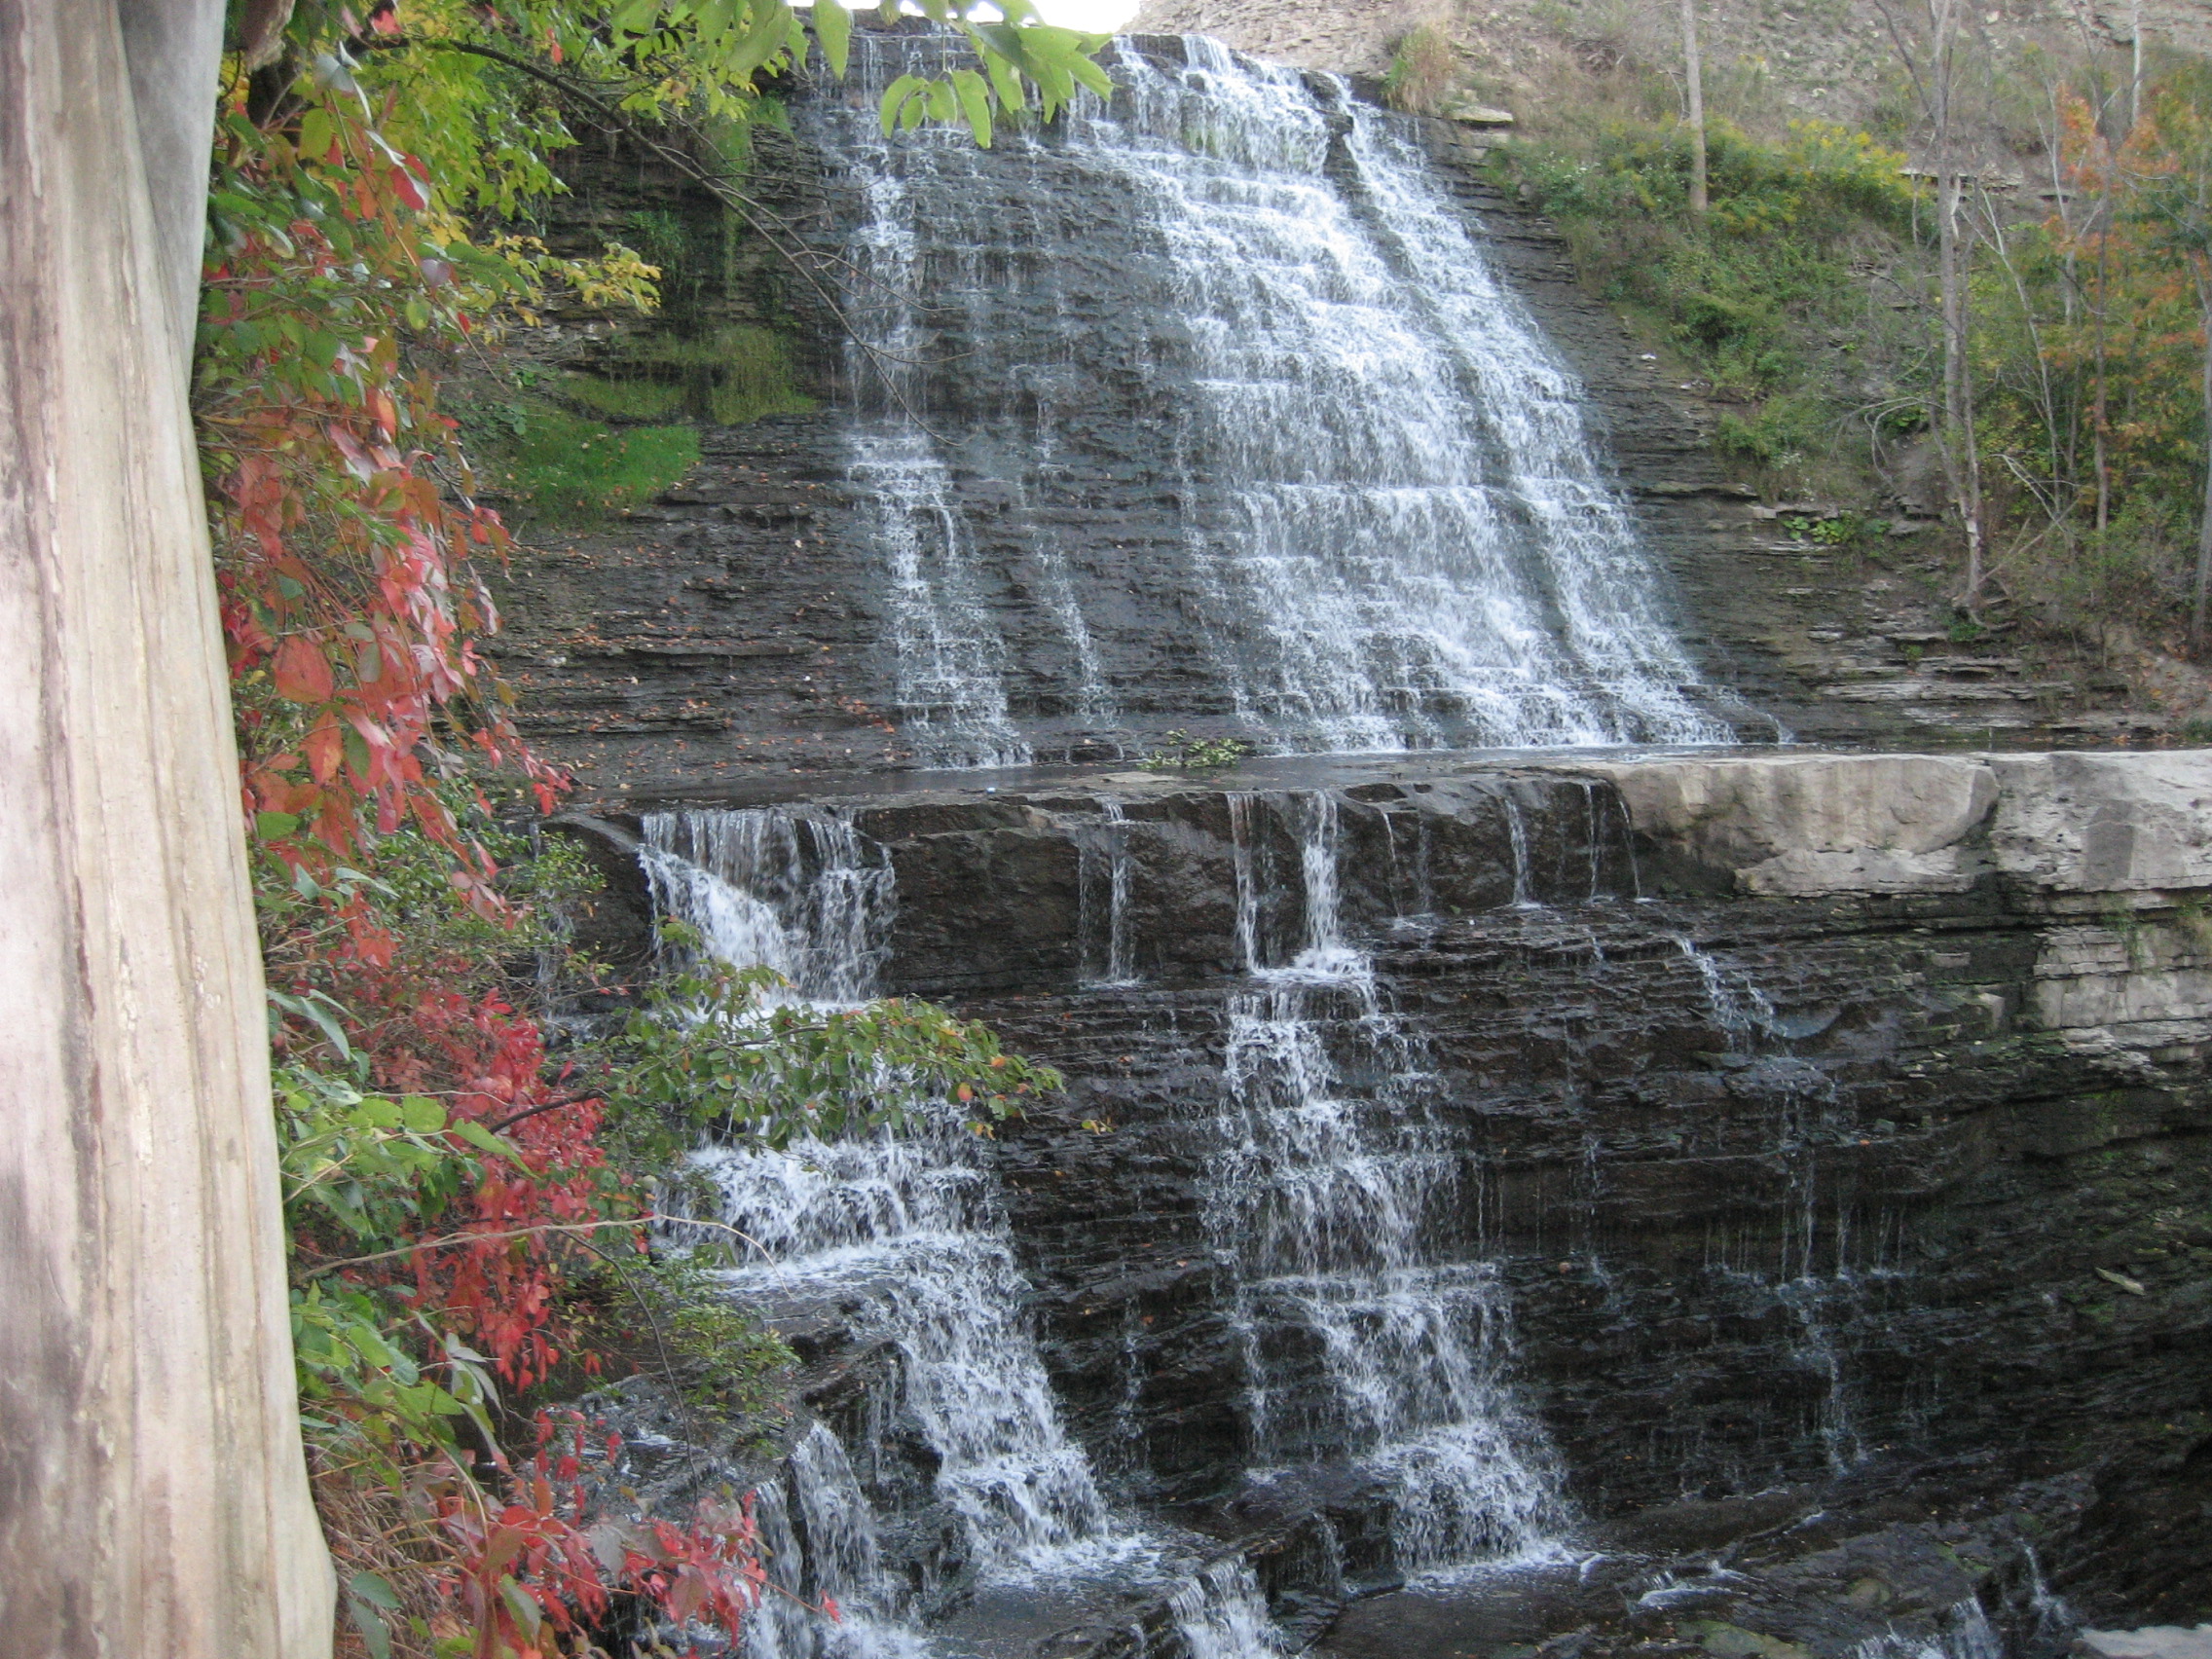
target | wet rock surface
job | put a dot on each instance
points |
(1856, 1243)
(1823, 1140)
(738, 626)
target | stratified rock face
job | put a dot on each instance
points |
(1715, 1124)
(1259, 413)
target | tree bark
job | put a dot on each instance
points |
(1962, 464)
(153, 1493)
(1694, 76)
(1961, 456)
(2196, 615)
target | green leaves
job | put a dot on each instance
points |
(723, 1048)
(833, 32)
(365, 1167)
(896, 97)
(975, 103)
(1015, 55)
(368, 1597)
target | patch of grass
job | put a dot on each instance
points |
(1767, 299)
(737, 373)
(624, 400)
(1781, 432)
(1422, 72)
(567, 469)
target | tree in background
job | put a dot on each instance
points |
(1693, 81)
(1926, 41)
(2089, 354)
(2168, 161)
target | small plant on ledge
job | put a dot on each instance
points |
(1187, 753)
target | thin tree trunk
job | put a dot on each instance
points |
(1695, 78)
(1961, 465)
(156, 1493)
(2197, 618)
(2103, 460)
(2135, 66)
(1962, 460)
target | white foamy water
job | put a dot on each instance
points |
(1396, 528)
(1363, 1344)
(903, 1236)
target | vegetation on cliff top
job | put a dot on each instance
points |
(1807, 300)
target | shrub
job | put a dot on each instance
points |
(1421, 72)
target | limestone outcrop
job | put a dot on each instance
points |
(1804, 826)
(2104, 822)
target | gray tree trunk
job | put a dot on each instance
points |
(153, 1497)
(2203, 600)
(1693, 78)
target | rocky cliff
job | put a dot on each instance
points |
(1836, 1128)
(744, 622)
(1759, 1193)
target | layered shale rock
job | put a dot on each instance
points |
(1826, 1122)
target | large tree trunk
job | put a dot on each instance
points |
(153, 1497)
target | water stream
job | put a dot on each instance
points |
(1350, 470)
(903, 1238)
(1369, 1341)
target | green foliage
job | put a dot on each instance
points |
(1781, 431)
(444, 1192)
(736, 373)
(1423, 70)
(2088, 356)
(399, 894)
(369, 1169)
(567, 469)
(1840, 531)
(1187, 753)
(624, 400)
(1761, 298)
(721, 1048)
(674, 1313)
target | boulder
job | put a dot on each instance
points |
(1467, 113)
(2152, 1642)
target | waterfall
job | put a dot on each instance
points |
(1208, 402)
(792, 891)
(1107, 940)
(903, 1238)
(1806, 1115)
(1362, 1343)
(1963, 1633)
(820, 1537)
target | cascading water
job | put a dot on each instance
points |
(1363, 1346)
(796, 892)
(1348, 463)
(1820, 1284)
(1105, 925)
(904, 1236)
